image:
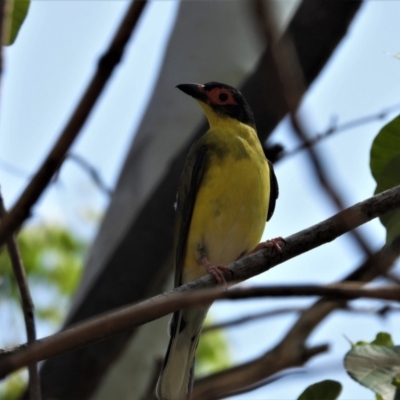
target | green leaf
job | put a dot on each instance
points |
(212, 353)
(396, 382)
(14, 387)
(374, 366)
(326, 390)
(383, 339)
(53, 260)
(385, 168)
(15, 14)
(51, 314)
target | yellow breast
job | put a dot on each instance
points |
(232, 202)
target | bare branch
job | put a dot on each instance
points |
(293, 88)
(381, 311)
(307, 354)
(392, 277)
(166, 303)
(14, 170)
(290, 351)
(105, 67)
(126, 318)
(92, 171)
(250, 318)
(27, 305)
(317, 137)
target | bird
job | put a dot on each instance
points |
(227, 192)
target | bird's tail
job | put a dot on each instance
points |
(176, 376)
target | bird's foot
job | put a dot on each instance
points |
(217, 271)
(269, 243)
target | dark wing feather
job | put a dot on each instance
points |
(274, 192)
(188, 187)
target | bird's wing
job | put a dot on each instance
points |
(274, 191)
(190, 182)
(176, 376)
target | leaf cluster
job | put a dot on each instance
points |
(53, 259)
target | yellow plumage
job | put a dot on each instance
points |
(227, 192)
(231, 203)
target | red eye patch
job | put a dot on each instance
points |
(221, 96)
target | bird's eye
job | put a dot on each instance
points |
(223, 97)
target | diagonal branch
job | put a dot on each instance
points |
(93, 173)
(27, 305)
(110, 59)
(126, 318)
(354, 123)
(250, 318)
(292, 350)
(292, 86)
(167, 303)
(317, 28)
(381, 311)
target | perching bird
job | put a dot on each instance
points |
(227, 191)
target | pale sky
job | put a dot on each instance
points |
(52, 60)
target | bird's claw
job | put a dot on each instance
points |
(270, 243)
(218, 272)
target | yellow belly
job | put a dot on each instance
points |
(229, 213)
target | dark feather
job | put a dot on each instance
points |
(274, 193)
(188, 187)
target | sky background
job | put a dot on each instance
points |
(52, 61)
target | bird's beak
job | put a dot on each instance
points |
(195, 90)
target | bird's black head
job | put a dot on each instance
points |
(225, 100)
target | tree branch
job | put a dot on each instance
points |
(382, 311)
(21, 210)
(289, 351)
(93, 173)
(317, 28)
(292, 85)
(357, 122)
(112, 323)
(167, 303)
(250, 318)
(27, 305)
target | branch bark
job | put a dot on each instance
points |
(317, 28)
(106, 65)
(26, 304)
(292, 85)
(381, 311)
(290, 351)
(115, 322)
(159, 306)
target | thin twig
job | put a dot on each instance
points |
(14, 170)
(290, 351)
(27, 305)
(92, 171)
(293, 88)
(392, 277)
(357, 122)
(162, 305)
(16, 261)
(382, 311)
(112, 323)
(251, 317)
(307, 354)
(21, 210)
